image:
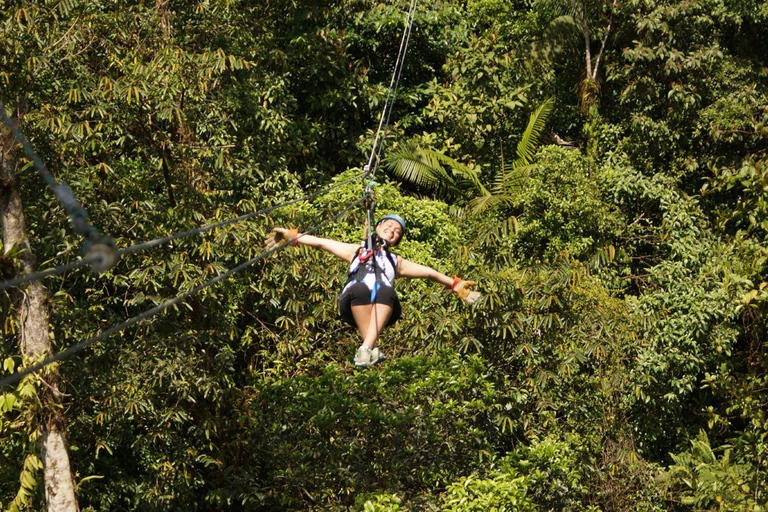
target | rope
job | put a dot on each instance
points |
(164, 240)
(196, 231)
(70, 351)
(386, 113)
(66, 198)
(381, 131)
(16, 281)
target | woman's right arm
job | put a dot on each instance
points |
(341, 250)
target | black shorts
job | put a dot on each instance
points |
(359, 295)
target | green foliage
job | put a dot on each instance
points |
(282, 440)
(561, 208)
(478, 105)
(504, 491)
(451, 180)
(623, 276)
(552, 470)
(380, 503)
(702, 481)
(336, 434)
(21, 468)
(28, 480)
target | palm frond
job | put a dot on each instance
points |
(418, 166)
(433, 170)
(482, 203)
(527, 146)
(468, 175)
(513, 179)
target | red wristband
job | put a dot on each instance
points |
(294, 233)
(456, 281)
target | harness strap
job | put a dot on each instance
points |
(365, 258)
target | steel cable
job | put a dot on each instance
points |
(386, 113)
(164, 240)
(70, 351)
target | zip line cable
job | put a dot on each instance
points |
(16, 281)
(161, 241)
(164, 240)
(386, 113)
(99, 249)
(381, 132)
(70, 351)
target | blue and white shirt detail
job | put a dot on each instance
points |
(387, 270)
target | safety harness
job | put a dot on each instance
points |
(367, 260)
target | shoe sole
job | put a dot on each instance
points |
(370, 365)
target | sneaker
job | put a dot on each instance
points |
(364, 357)
(377, 356)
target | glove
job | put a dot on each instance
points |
(278, 236)
(461, 288)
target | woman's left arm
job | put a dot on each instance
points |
(406, 268)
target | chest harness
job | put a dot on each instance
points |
(374, 267)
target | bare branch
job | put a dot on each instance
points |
(604, 41)
(585, 31)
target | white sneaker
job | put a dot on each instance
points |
(377, 356)
(364, 357)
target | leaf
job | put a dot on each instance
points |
(429, 169)
(9, 402)
(749, 296)
(88, 478)
(526, 148)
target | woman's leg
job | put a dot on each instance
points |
(370, 319)
(377, 316)
(362, 316)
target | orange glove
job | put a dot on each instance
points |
(461, 288)
(280, 235)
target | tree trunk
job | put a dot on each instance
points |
(32, 307)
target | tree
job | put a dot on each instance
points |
(32, 319)
(590, 20)
(451, 180)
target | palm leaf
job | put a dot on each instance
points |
(433, 170)
(419, 167)
(482, 203)
(526, 148)
(512, 179)
(450, 179)
(468, 176)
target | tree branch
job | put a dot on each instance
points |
(604, 41)
(585, 31)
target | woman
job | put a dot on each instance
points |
(368, 300)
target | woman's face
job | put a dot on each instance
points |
(390, 231)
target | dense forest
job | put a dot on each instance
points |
(599, 167)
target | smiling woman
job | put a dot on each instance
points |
(368, 300)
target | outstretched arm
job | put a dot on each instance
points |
(341, 250)
(406, 268)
